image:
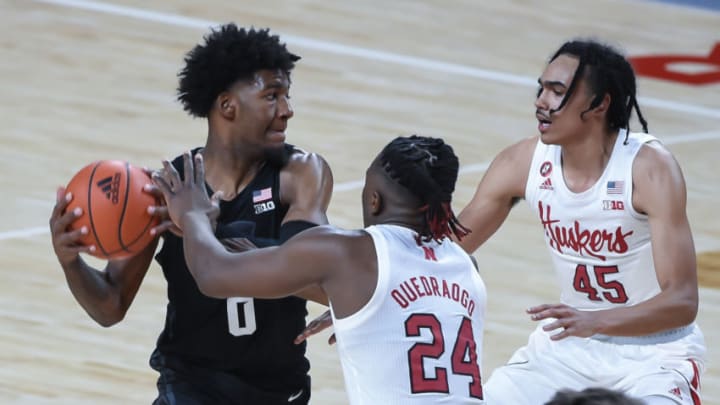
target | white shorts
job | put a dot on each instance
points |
(666, 364)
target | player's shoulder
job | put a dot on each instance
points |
(306, 169)
(514, 161)
(520, 151)
(654, 157)
(300, 159)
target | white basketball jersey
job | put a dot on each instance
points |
(418, 340)
(600, 245)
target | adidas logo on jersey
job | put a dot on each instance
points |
(676, 391)
(111, 187)
(547, 184)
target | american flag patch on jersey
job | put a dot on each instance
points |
(262, 195)
(615, 187)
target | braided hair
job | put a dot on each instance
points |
(607, 72)
(228, 55)
(428, 169)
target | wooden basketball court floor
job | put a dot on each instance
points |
(85, 80)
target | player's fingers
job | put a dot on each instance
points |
(189, 169)
(199, 171)
(170, 175)
(71, 239)
(163, 226)
(538, 308)
(81, 249)
(216, 197)
(162, 184)
(61, 223)
(301, 338)
(562, 335)
(152, 189)
(73, 250)
(548, 313)
(554, 325)
(305, 334)
(62, 199)
(147, 170)
(314, 327)
(160, 211)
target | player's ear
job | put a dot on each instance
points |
(226, 106)
(602, 108)
(376, 203)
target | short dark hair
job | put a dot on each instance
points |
(592, 396)
(228, 55)
(607, 71)
(428, 168)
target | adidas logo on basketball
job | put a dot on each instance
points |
(547, 184)
(111, 187)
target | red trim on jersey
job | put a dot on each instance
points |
(695, 383)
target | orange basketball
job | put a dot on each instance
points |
(110, 193)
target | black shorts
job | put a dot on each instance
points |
(184, 385)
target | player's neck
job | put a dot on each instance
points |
(584, 161)
(402, 216)
(228, 171)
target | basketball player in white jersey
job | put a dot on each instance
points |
(407, 302)
(612, 207)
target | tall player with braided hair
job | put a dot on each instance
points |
(407, 303)
(612, 206)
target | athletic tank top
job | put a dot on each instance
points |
(251, 338)
(600, 246)
(419, 338)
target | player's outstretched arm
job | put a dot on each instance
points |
(105, 295)
(500, 188)
(265, 273)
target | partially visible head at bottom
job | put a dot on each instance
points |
(592, 396)
(414, 175)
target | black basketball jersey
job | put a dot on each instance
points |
(248, 337)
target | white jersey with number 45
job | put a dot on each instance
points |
(599, 244)
(419, 338)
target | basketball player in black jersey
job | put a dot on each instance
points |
(223, 351)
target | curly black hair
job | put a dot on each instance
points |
(428, 168)
(228, 55)
(607, 71)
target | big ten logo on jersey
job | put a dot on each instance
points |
(262, 200)
(613, 205)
